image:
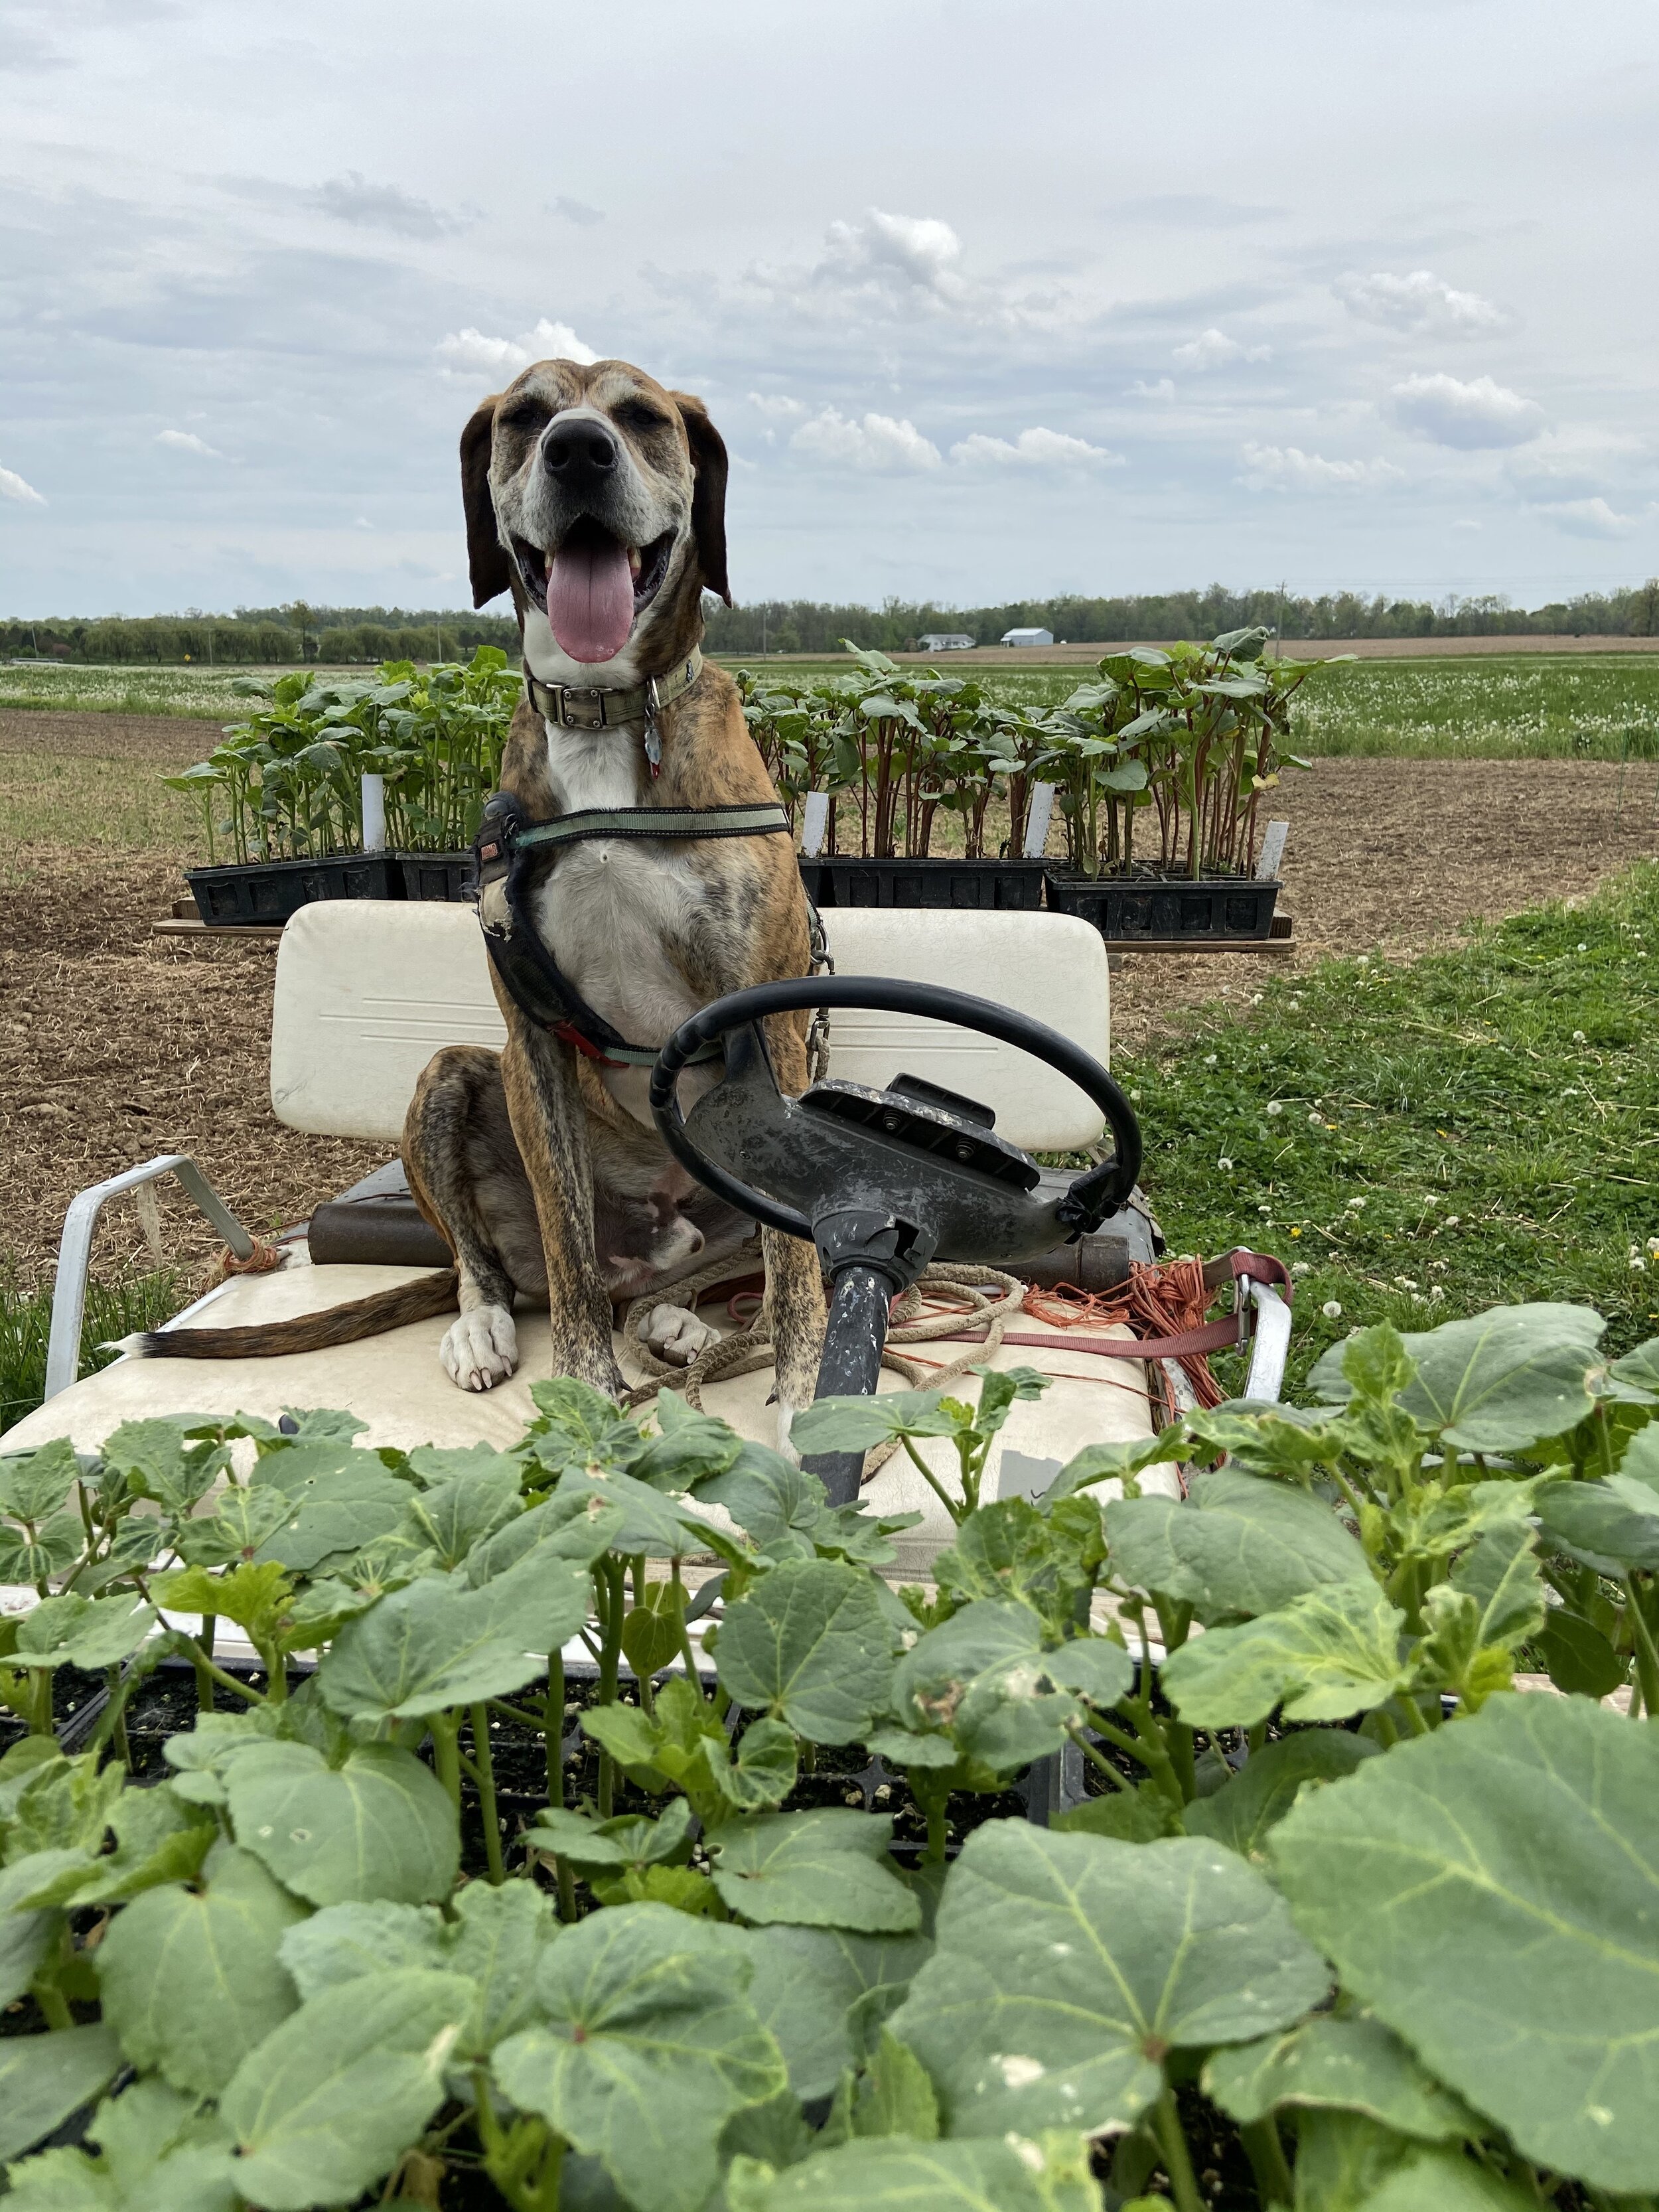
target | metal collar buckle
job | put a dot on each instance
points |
(589, 714)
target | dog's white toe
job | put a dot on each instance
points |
(677, 1336)
(786, 1414)
(480, 1349)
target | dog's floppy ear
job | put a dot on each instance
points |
(709, 493)
(491, 574)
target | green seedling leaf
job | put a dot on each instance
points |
(33, 1484)
(255, 1597)
(1067, 1967)
(581, 1427)
(822, 1869)
(1142, 1815)
(45, 2078)
(55, 1546)
(88, 1632)
(245, 1518)
(1578, 1656)
(577, 1527)
(65, 1805)
(1499, 1381)
(769, 1499)
(901, 1747)
(764, 1773)
(1443, 2181)
(650, 1630)
(339, 1499)
(1612, 1526)
(435, 1643)
(1324, 1657)
(1009, 1550)
(614, 1844)
(690, 1448)
(651, 1523)
(1243, 1811)
(666, 1745)
(1347, 2061)
(810, 1645)
(985, 1677)
(192, 1982)
(1501, 1574)
(838, 1424)
(1240, 1545)
(1487, 1890)
(450, 1517)
(1266, 1439)
(158, 1460)
(1116, 1462)
(159, 1837)
(322, 2108)
(345, 1943)
(898, 2176)
(379, 1826)
(159, 2154)
(823, 1993)
(647, 2046)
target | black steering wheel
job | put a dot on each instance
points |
(882, 1181)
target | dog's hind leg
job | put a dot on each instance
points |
(795, 1283)
(467, 1177)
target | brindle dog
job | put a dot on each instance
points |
(596, 497)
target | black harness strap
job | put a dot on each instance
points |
(509, 847)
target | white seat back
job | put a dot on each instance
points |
(366, 992)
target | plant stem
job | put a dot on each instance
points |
(553, 1727)
(446, 1754)
(54, 2005)
(40, 1704)
(1097, 1759)
(203, 1677)
(1266, 2152)
(229, 1682)
(1177, 2159)
(486, 1773)
(122, 1751)
(953, 1506)
(1647, 1659)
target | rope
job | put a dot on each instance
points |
(261, 1261)
(991, 1297)
(1166, 1300)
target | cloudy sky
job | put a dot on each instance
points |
(988, 299)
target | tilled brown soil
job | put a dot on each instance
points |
(116, 1044)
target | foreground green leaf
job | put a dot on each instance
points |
(1348, 2061)
(43, 2078)
(1492, 1893)
(379, 1826)
(1325, 1655)
(824, 1992)
(1068, 1965)
(1241, 1544)
(810, 1645)
(824, 1870)
(893, 2175)
(1243, 1811)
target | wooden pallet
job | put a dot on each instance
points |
(192, 926)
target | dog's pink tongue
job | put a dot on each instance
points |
(590, 597)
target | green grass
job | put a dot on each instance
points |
(1478, 1129)
(185, 690)
(123, 805)
(114, 1310)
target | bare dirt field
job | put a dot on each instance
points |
(116, 1044)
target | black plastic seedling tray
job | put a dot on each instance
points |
(274, 891)
(969, 886)
(1165, 907)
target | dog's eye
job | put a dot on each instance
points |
(528, 415)
(637, 415)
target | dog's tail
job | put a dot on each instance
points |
(314, 1332)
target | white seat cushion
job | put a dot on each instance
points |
(366, 992)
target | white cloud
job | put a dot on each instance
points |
(1466, 522)
(469, 352)
(352, 198)
(1214, 349)
(776, 403)
(1420, 302)
(1163, 390)
(1035, 449)
(1589, 518)
(13, 487)
(1469, 416)
(1287, 468)
(878, 443)
(907, 253)
(577, 211)
(187, 442)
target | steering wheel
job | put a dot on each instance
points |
(882, 1181)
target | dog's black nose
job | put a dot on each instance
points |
(579, 454)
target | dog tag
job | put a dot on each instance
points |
(654, 746)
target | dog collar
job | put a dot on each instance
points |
(598, 706)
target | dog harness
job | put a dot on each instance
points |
(508, 847)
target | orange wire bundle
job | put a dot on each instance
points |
(1166, 1299)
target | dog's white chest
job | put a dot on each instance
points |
(610, 909)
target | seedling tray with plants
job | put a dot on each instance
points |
(1155, 771)
(1343, 1922)
(283, 796)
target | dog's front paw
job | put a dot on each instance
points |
(786, 1414)
(677, 1335)
(481, 1349)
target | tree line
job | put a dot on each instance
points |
(298, 632)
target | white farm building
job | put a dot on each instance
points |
(946, 641)
(1028, 637)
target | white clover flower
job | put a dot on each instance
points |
(1255, 997)
(1264, 1207)
(1653, 1246)
(1331, 1309)
(1452, 1220)
(1404, 1283)
(1584, 948)
(1274, 1107)
(1302, 1266)
(1436, 1291)
(1438, 1265)
(1209, 1059)
(1134, 1098)
(1418, 1298)
(1224, 1164)
(1315, 1120)
(1355, 1205)
(1578, 1036)
(1638, 1266)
